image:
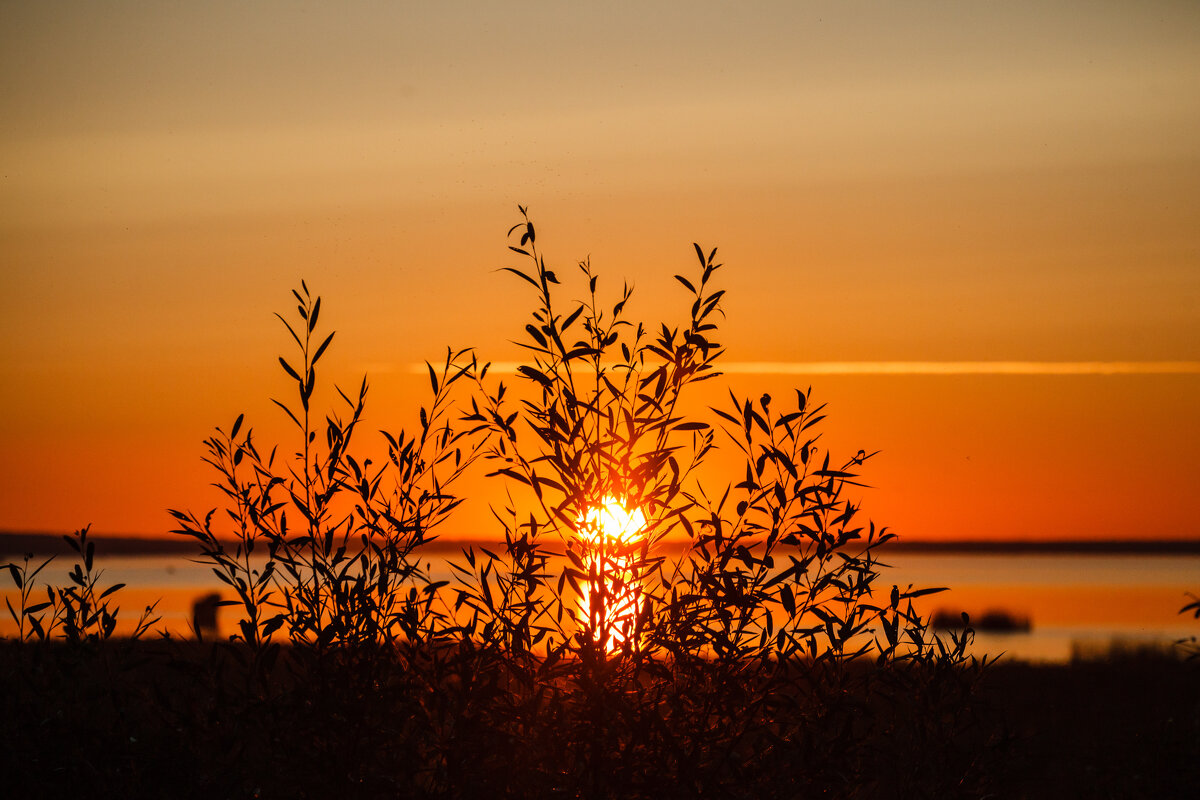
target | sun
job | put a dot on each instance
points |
(611, 603)
(612, 523)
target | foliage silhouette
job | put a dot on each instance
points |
(81, 612)
(742, 648)
(739, 642)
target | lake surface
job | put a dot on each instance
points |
(1076, 603)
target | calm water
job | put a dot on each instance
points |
(1075, 602)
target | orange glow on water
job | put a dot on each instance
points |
(610, 599)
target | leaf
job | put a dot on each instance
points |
(521, 275)
(290, 330)
(533, 374)
(287, 411)
(288, 368)
(788, 599)
(312, 319)
(487, 589)
(571, 318)
(834, 473)
(923, 592)
(536, 335)
(321, 349)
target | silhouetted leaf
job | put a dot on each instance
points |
(288, 369)
(312, 319)
(520, 274)
(321, 350)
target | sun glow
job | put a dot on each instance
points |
(612, 523)
(610, 599)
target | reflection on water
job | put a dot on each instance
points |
(1076, 603)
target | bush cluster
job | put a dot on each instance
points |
(730, 642)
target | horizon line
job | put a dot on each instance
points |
(117, 544)
(917, 367)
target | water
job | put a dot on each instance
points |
(1076, 603)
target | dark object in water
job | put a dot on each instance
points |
(992, 621)
(204, 614)
(1003, 622)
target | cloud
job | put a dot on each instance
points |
(929, 367)
(963, 368)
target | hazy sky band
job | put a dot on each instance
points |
(928, 367)
(894, 187)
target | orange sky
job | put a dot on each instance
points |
(932, 182)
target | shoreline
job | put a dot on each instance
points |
(14, 544)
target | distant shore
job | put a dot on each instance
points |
(13, 544)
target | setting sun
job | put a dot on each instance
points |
(609, 604)
(612, 523)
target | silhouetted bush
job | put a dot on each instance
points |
(732, 642)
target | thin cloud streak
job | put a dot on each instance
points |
(964, 368)
(926, 367)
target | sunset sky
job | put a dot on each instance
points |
(973, 228)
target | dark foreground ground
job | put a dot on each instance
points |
(1122, 728)
(177, 720)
